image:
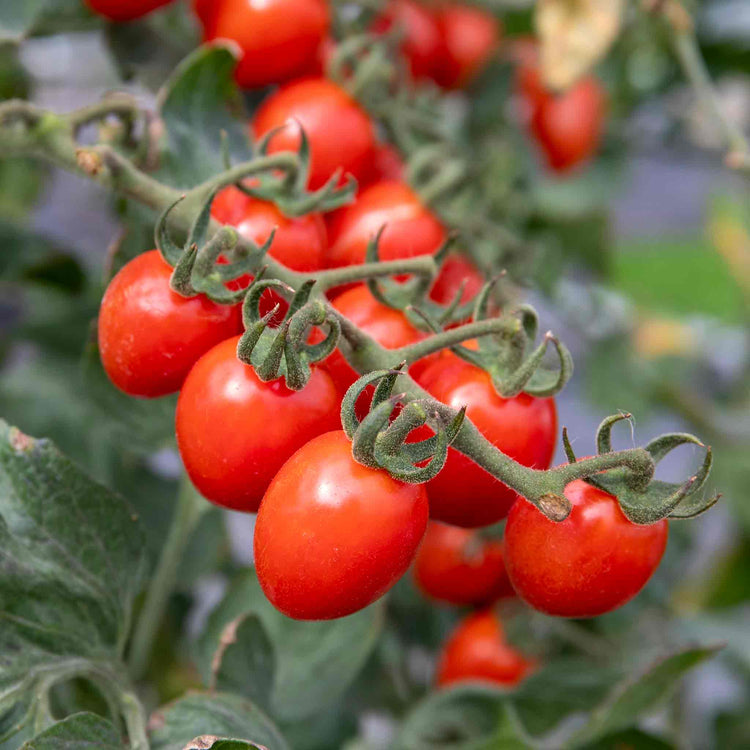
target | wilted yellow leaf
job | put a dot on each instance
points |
(574, 35)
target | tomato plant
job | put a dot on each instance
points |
(278, 40)
(322, 499)
(590, 563)
(476, 651)
(172, 332)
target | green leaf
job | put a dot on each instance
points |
(206, 742)
(199, 102)
(314, 662)
(175, 725)
(78, 732)
(71, 562)
(634, 697)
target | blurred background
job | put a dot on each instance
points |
(642, 268)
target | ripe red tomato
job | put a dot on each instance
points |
(591, 563)
(235, 432)
(124, 10)
(333, 536)
(299, 243)
(150, 336)
(387, 164)
(456, 270)
(421, 43)
(410, 228)
(389, 327)
(567, 126)
(457, 566)
(523, 427)
(476, 651)
(278, 39)
(469, 37)
(340, 133)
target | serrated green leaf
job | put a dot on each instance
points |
(83, 731)
(314, 661)
(71, 563)
(199, 102)
(218, 714)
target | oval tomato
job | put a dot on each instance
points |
(235, 432)
(124, 10)
(410, 228)
(333, 536)
(591, 563)
(477, 651)
(150, 336)
(339, 131)
(278, 39)
(421, 43)
(523, 427)
(457, 566)
(469, 37)
(389, 327)
(456, 270)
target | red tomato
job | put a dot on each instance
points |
(389, 327)
(421, 43)
(299, 243)
(278, 39)
(410, 228)
(124, 10)
(333, 536)
(387, 164)
(477, 651)
(591, 563)
(150, 336)
(235, 432)
(522, 427)
(469, 37)
(457, 566)
(455, 270)
(340, 133)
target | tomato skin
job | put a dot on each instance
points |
(235, 432)
(469, 37)
(279, 39)
(340, 133)
(150, 336)
(421, 43)
(387, 164)
(410, 228)
(454, 565)
(389, 327)
(299, 242)
(476, 651)
(523, 427)
(333, 536)
(455, 270)
(124, 10)
(591, 563)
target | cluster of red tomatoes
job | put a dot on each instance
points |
(332, 535)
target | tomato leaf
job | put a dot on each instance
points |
(200, 101)
(82, 731)
(71, 563)
(313, 662)
(174, 726)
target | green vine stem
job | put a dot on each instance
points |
(190, 507)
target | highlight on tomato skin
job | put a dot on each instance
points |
(457, 566)
(234, 432)
(593, 562)
(150, 336)
(278, 39)
(476, 651)
(332, 536)
(523, 427)
(340, 133)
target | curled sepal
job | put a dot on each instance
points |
(568, 448)
(380, 439)
(604, 431)
(659, 499)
